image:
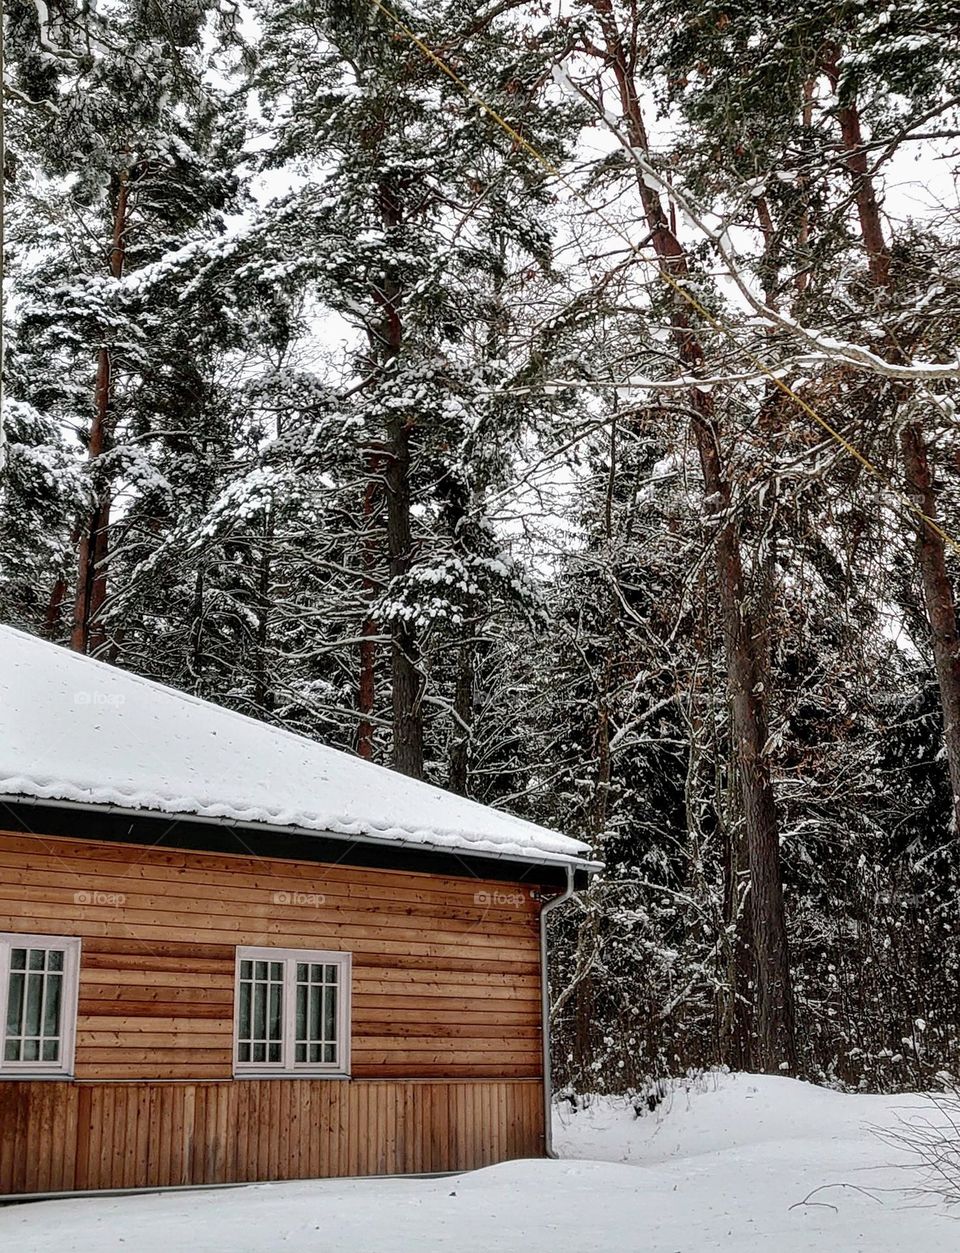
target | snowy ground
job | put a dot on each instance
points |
(737, 1163)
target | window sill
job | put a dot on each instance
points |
(290, 1074)
(34, 1075)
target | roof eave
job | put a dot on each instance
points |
(547, 860)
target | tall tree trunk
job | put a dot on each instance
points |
(53, 619)
(775, 1029)
(405, 655)
(737, 1034)
(938, 593)
(87, 635)
(737, 999)
(459, 767)
(407, 676)
(367, 685)
(54, 616)
(939, 599)
(261, 687)
(195, 655)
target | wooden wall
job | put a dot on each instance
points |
(446, 979)
(61, 1136)
(445, 1033)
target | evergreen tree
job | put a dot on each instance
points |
(125, 154)
(419, 209)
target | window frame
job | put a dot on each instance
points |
(63, 1068)
(287, 1067)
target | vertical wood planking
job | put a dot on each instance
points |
(60, 1136)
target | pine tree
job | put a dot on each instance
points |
(421, 206)
(126, 152)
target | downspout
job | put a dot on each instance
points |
(545, 1013)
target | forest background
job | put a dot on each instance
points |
(555, 404)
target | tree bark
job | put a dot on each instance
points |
(939, 600)
(775, 1027)
(459, 770)
(407, 676)
(738, 1015)
(53, 619)
(54, 615)
(367, 683)
(405, 655)
(87, 635)
(931, 556)
(195, 655)
(262, 697)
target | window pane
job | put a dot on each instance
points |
(34, 1021)
(276, 990)
(244, 1017)
(331, 974)
(34, 1000)
(301, 1011)
(329, 1013)
(260, 1012)
(316, 1014)
(51, 1005)
(15, 1004)
(315, 1003)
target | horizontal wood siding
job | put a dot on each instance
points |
(446, 980)
(62, 1136)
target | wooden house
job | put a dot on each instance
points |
(229, 953)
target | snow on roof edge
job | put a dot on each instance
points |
(359, 794)
(393, 838)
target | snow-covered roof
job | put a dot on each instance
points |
(77, 730)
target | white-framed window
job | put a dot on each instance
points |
(292, 1012)
(38, 1005)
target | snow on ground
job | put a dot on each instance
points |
(724, 1167)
